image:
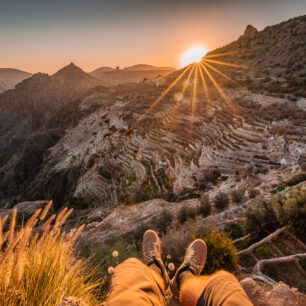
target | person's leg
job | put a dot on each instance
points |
(220, 288)
(137, 283)
(134, 283)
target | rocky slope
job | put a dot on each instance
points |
(136, 73)
(275, 58)
(10, 77)
(66, 136)
(33, 117)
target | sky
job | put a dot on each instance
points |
(43, 36)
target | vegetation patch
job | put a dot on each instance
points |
(280, 244)
(237, 195)
(264, 251)
(186, 213)
(76, 202)
(247, 262)
(205, 207)
(221, 200)
(222, 254)
(163, 221)
(253, 192)
(234, 230)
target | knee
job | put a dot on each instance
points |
(223, 273)
(191, 290)
(130, 262)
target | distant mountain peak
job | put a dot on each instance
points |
(143, 67)
(10, 77)
(72, 71)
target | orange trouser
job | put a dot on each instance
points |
(134, 283)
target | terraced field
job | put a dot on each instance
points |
(127, 155)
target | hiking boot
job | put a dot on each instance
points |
(151, 250)
(193, 264)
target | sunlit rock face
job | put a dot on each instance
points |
(250, 32)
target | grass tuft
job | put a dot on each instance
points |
(38, 265)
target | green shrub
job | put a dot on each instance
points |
(257, 217)
(185, 213)
(205, 207)
(291, 210)
(221, 254)
(234, 230)
(237, 195)
(264, 251)
(280, 244)
(296, 179)
(278, 189)
(221, 200)
(77, 202)
(253, 193)
(164, 221)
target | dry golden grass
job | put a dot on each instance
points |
(38, 265)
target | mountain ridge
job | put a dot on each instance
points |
(9, 77)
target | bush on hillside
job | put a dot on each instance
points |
(291, 210)
(296, 179)
(283, 210)
(234, 230)
(257, 217)
(205, 207)
(221, 200)
(77, 202)
(186, 213)
(221, 254)
(175, 242)
(163, 221)
(41, 268)
(237, 195)
(253, 193)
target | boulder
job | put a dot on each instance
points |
(26, 209)
(280, 295)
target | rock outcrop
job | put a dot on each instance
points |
(250, 32)
(279, 295)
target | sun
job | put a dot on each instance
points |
(193, 55)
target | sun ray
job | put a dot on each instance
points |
(220, 54)
(194, 95)
(188, 80)
(204, 83)
(215, 83)
(221, 73)
(224, 63)
(161, 96)
(182, 93)
(222, 93)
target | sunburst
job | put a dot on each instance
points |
(202, 71)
